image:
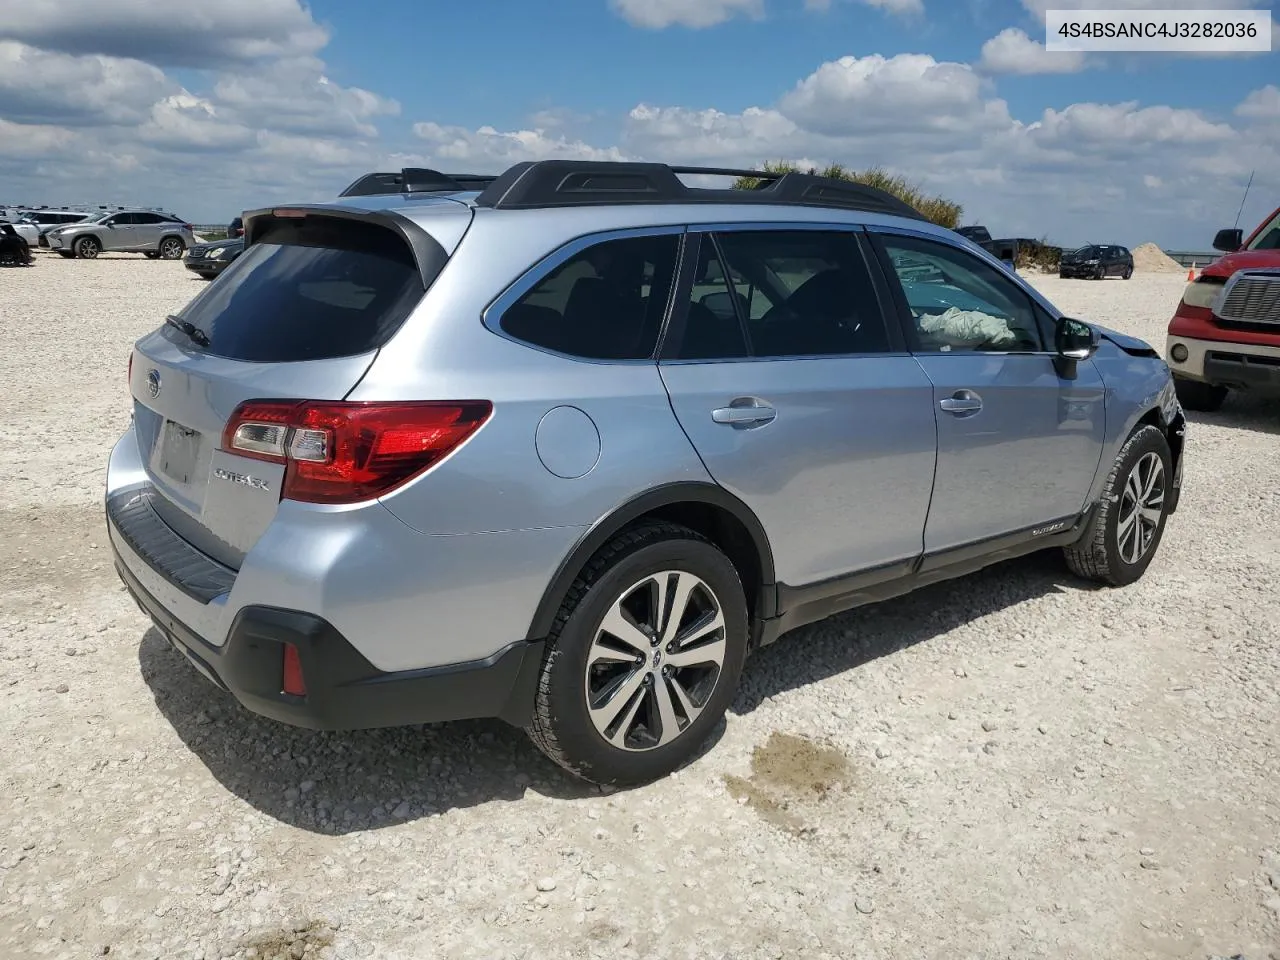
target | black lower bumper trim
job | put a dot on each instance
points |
(1241, 370)
(344, 690)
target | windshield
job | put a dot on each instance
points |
(1268, 237)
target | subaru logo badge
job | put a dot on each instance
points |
(153, 383)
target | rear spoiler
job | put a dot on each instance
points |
(427, 252)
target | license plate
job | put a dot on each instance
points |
(179, 452)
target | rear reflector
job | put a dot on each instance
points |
(293, 684)
(347, 452)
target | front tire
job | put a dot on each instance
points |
(1100, 273)
(643, 659)
(1128, 525)
(1199, 396)
(88, 248)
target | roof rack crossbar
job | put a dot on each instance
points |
(545, 184)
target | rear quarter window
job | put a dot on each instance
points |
(311, 289)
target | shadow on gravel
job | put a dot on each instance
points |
(336, 783)
(1251, 414)
(847, 641)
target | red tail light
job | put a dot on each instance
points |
(293, 683)
(346, 452)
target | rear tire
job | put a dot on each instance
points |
(1128, 272)
(671, 597)
(1128, 524)
(171, 248)
(1199, 396)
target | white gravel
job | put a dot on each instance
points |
(1011, 765)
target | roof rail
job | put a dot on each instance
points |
(545, 184)
(415, 180)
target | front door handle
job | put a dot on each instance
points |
(745, 411)
(961, 403)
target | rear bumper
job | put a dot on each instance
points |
(344, 690)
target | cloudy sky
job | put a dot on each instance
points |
(211, 108)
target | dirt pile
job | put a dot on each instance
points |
(1149, 258)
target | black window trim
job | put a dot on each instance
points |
(491, 316)
(902, 311)
(670, 345)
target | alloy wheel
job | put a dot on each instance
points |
(87, 247)
(171, 249)
(1141, 508)
(655, 660)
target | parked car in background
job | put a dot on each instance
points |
(210, 259)
(14, 249)
(24, 228)
(235, 228)
(46, 220)
(1096, 261)
(1225, 333)
(124, 231)
(567, 449)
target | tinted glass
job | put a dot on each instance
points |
(804, 292)
(604, 303)
(958, 302)
(151, 218)
(310, 290)
(712, 330)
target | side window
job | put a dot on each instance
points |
(804, 293)
(958, 302)
(712, 330)
(122, 220)
(148, 218)
(604, 303)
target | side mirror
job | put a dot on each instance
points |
(1074, 341)
(1229, 241)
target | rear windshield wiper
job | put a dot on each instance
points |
(196, 335)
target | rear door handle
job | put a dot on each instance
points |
(961, 402)
(744, 411)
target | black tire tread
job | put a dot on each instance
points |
(1088, 558)
(541, 728)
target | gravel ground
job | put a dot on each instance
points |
(1010, 765)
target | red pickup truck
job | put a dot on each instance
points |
(1225, 334)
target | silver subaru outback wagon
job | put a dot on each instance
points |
(565, 445)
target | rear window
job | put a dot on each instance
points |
(310, 289)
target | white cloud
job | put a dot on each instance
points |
(1012, 51)
(1261, 104)
(695, 14)
(175, 34)
(296, 96)
(1038, 7)
(908, 91)
(491, 150)
(37, 86)
(32, 140)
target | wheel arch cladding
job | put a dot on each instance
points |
(706, 508)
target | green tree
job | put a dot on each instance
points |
(939, 210)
